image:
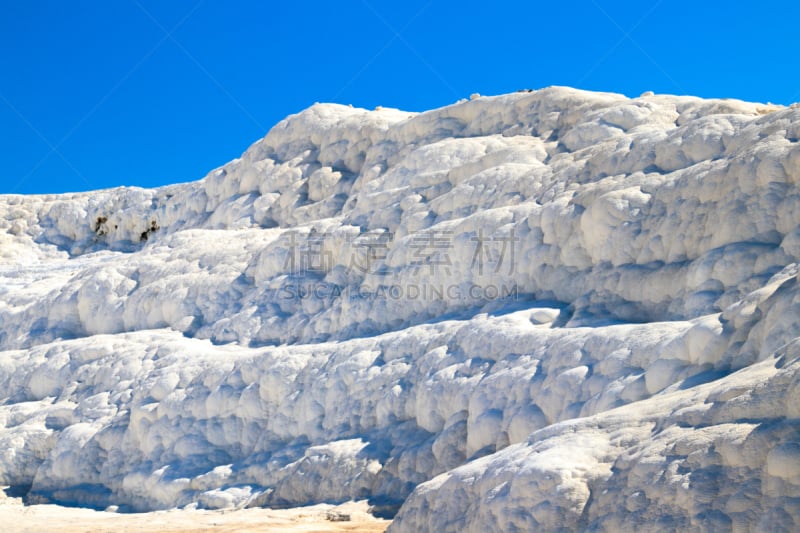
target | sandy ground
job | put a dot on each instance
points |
(18, 518)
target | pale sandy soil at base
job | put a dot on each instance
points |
(18, 518)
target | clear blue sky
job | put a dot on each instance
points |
(97, 94)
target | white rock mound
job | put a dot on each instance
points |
(540, 310)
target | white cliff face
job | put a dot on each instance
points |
(573, 308)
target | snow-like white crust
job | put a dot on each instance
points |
(631, 364)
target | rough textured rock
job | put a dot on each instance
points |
(543, 309)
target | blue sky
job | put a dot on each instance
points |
(96, 94)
